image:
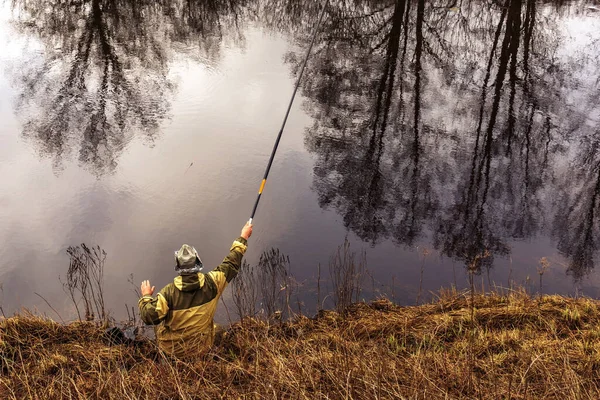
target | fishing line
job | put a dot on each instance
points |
(264, 181)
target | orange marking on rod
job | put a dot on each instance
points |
(262, 186)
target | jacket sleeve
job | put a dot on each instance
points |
(153, 311)
(230, 266)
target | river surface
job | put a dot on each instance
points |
(439, 137)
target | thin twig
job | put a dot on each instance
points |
(49, 305)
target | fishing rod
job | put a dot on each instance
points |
(266, 175)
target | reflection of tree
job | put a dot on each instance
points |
(105, 72)
(441, 120)
(577, 220)
(363, 137)
(478, 228)
(206, 23)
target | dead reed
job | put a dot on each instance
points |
(84, 281)
(347, 274)
(523, 346)
(273, 279)
(244, 291)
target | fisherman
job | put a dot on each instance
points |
(184, 309)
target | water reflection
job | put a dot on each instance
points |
(452, 124)
(105, 73)
(576, 224)
(462, 124)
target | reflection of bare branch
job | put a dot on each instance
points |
(576, 223)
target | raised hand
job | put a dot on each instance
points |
(146, 289)
(247, 230)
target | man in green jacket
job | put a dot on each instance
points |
(184, 309)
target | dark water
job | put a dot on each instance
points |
(439, 136)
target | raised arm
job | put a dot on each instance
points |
(230, 266)
(152, 311)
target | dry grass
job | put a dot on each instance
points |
(515, 347)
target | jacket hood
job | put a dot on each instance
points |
(189, 282)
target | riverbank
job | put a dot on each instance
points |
(508, 346)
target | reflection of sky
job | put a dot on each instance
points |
(582, 30)
(14, 50)
(224, 120)
(581, 48)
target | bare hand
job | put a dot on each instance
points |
(146, 289)
(247, 230)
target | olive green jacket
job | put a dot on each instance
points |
(184, 309)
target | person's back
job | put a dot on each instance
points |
(184, 309)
